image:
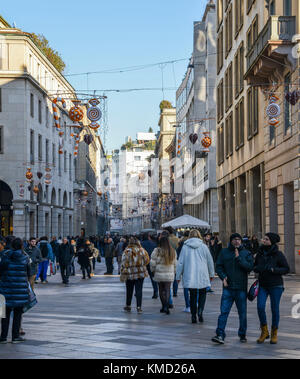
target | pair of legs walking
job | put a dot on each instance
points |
(109, 265)
(42, 271)
(16, 323)
(229, 297)
(164, 294)
(197, 303)
(65, 271)
(136, 284)
(86, 269)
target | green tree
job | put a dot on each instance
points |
(150, 130)
(54, 57)
(165, 104)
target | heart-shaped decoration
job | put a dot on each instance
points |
(193, 138)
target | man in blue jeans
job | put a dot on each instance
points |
(233, 266)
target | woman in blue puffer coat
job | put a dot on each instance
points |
(14, 275)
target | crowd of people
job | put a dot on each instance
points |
(167, 260)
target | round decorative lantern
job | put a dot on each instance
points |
(273, 110)
(36, 190)
(61, 134)
(39, 175)
(60, 152)
(48, 182)
(29, 174)
(99, 193)
(206, 142)
(94, 114)
(273, 122)
(84, 193)
(76, 113)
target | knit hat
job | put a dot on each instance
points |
(273, 237)
(235, 235)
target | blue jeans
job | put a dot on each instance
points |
(175, 287)
(186, 297)
(154, 284)
(275, 294)
(42, 271)
(171, 297)
(228, 298)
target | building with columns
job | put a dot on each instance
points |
(257, 163)
(196, 115)
(29, 140)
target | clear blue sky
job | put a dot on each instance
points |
(98, 35)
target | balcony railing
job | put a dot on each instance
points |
(278, 29)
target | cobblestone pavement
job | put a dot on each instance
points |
(86, 320)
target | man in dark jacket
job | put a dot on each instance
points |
(55, 247)
(109, 256)
(14, 272)
(85, 254)
(35, 255)
(233, 266)
(65, 255)
(149, 244)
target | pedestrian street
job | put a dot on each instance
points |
(86, 320)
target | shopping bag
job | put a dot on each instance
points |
(52, 268)
(32, 301)
(253, 291)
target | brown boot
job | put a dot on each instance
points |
(274, 338)
(264, 334)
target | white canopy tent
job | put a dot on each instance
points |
(187, 221)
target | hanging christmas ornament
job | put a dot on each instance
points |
(29, 188)
(48, 169)
(55, 110)
(21, 190)
(179, 143)
(206, 141)
(273, 110)
(84, 193)
(88, 139)
(193, 138)
(99, 193)
(94, 114)
(36, 190)
(273, 98)
(273, 122)
(47, 182)
(29, 174)
(39, 175)
(76, 113)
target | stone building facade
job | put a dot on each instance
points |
(196, 114)
(257, 164)
(28, 139)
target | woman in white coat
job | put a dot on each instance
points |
(196, 267)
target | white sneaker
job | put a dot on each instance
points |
(187, 310)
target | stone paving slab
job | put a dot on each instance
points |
(86, 320)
